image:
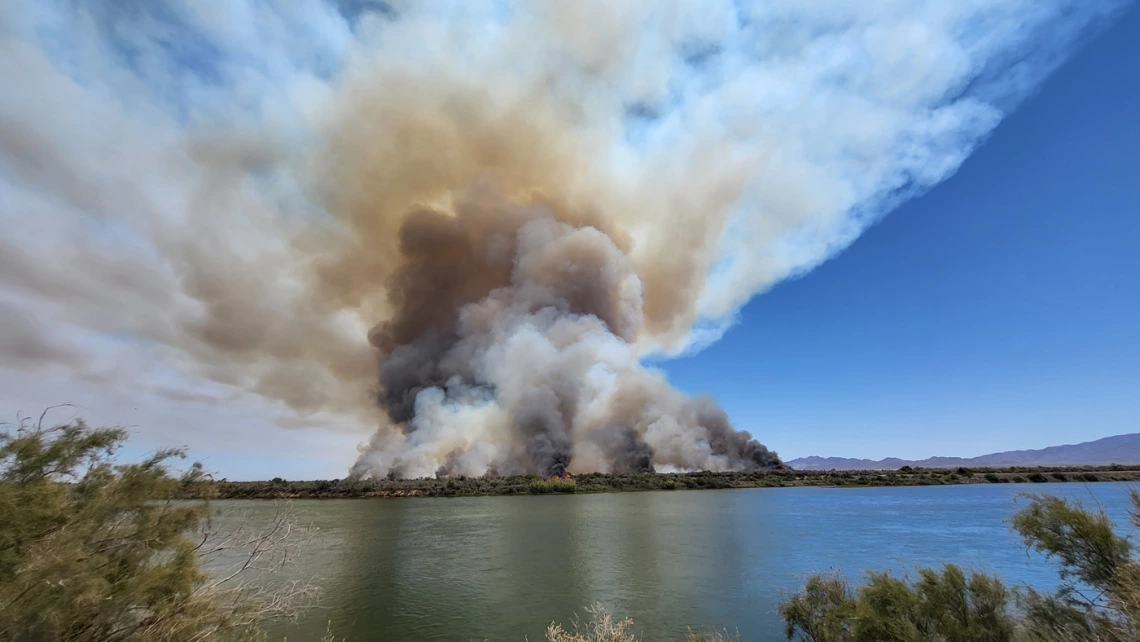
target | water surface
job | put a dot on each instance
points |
(501, 568)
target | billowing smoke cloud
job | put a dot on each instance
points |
(465, 222)
(511, 348)
(519, 289)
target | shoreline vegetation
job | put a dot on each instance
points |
(632, 482)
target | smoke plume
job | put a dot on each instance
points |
(511, 348)
(457, 230)
(520, 286)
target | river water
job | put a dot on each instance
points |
(502, 568)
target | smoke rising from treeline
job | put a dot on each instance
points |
(521, 285)
(510, 349)
(466, 223)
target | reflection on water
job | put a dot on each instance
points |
(501, 568)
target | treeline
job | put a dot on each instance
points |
(606, 483)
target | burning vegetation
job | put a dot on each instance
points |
(511, 348)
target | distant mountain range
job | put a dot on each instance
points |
(1121, 449)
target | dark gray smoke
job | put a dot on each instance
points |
(509, 348)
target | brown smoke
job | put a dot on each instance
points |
(507, 274)
(397, 143)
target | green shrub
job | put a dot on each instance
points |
(942, 605)
(94, 551)
(992, 478)
(1038, 478)
(546, 486)
(1060, 477)
(1098, 599)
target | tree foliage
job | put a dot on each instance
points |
(1099, 597)
(1098, 600)
(91, 550)
(940, 605)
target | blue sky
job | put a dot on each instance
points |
(999, 311)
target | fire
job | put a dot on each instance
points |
(565, 475)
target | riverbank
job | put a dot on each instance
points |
(608, 483)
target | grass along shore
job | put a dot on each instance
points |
(609, 483)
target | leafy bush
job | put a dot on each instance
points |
(545, 486)
(91, 551)
(992, 478)
(947, 607)
(942, 605)
(1089, 554)
(1038, 478)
